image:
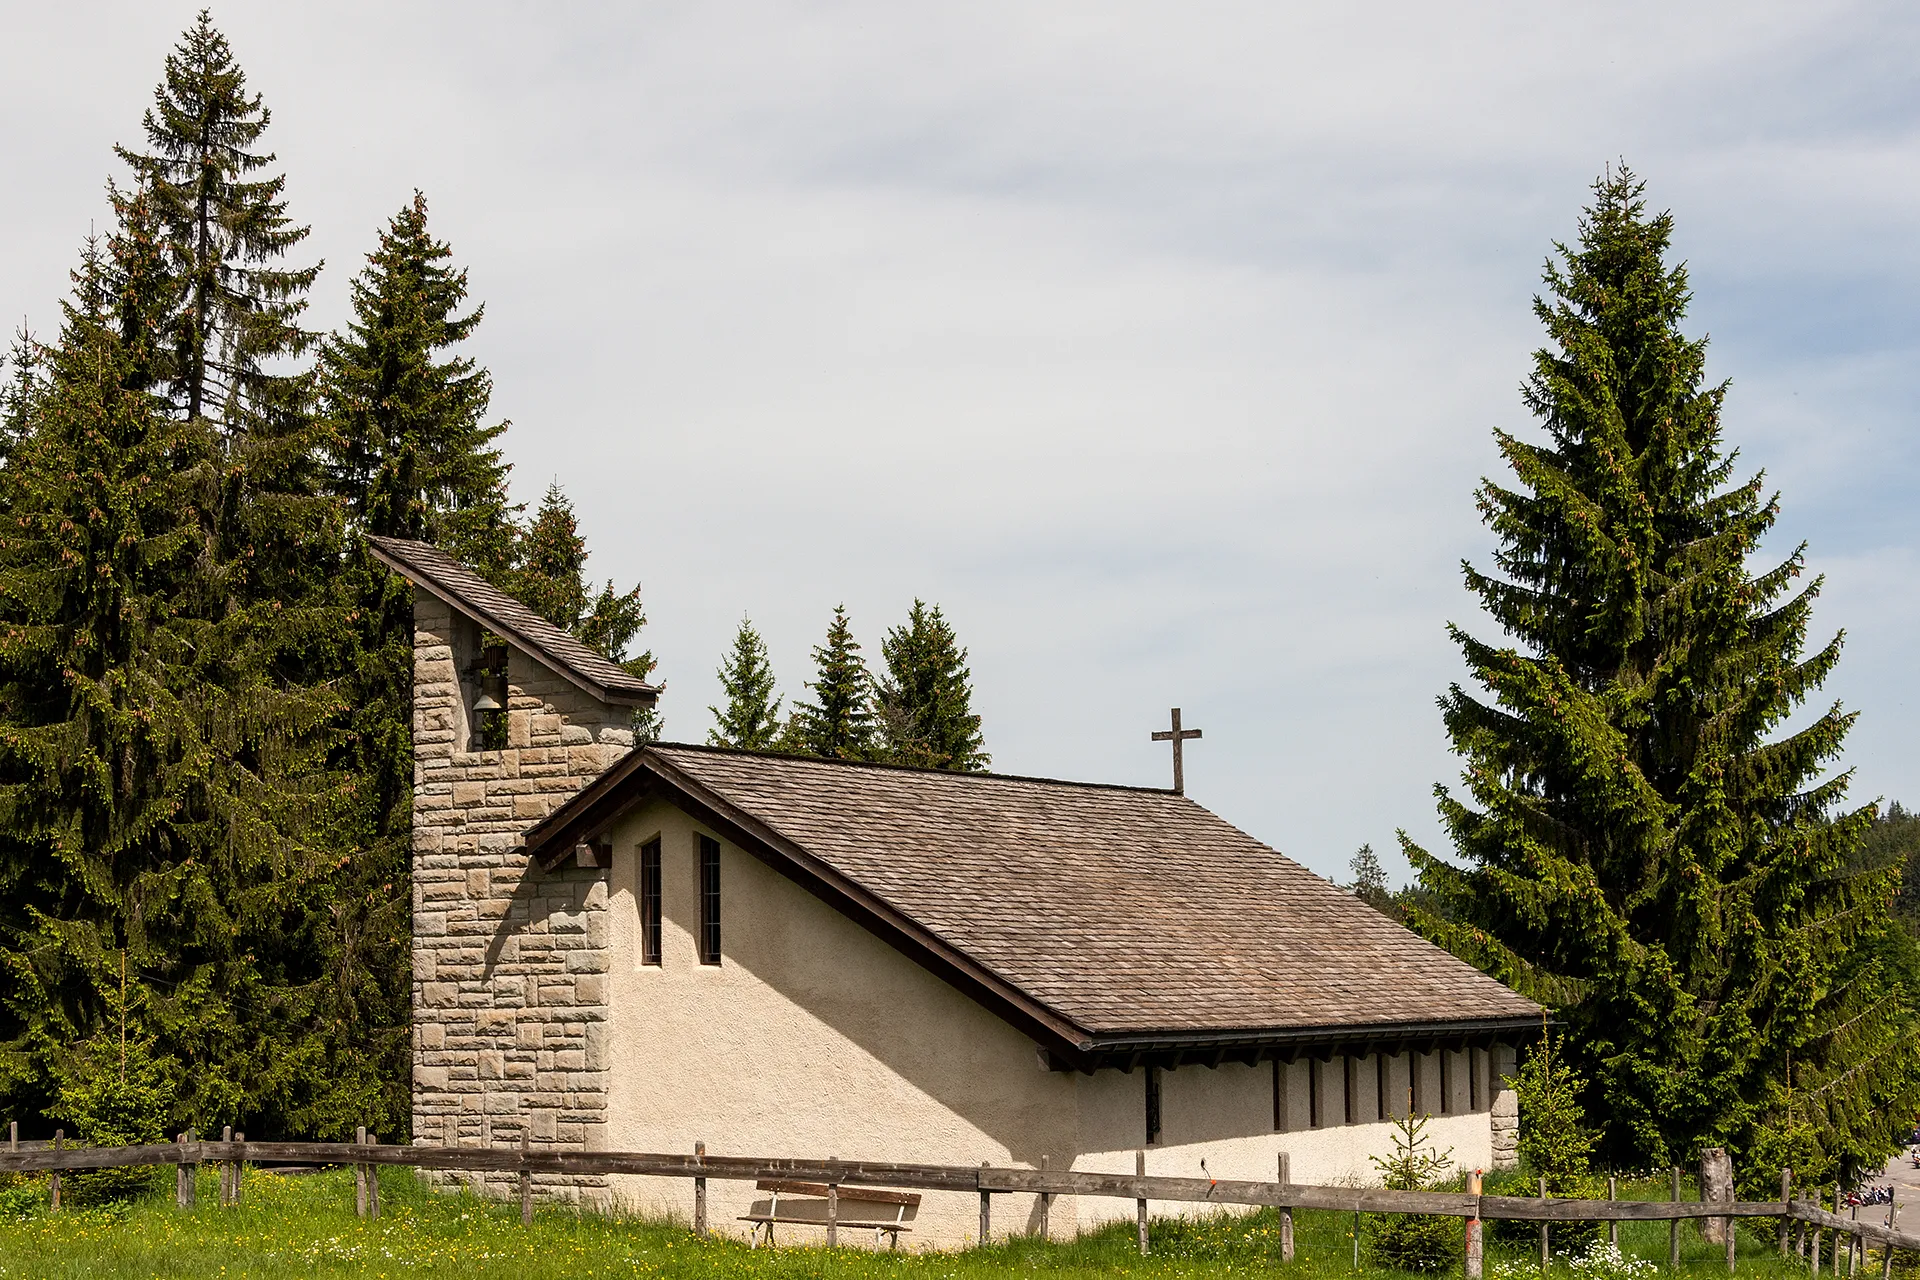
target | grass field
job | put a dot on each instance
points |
(304, 1226)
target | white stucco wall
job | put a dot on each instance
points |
(813, 1038)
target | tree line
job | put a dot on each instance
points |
(918, 712)
(205, 724)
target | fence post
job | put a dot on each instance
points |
(1673, 1227)
(373, 1180)
(1613, 1224)
(360, 1175)
(239, 1166)
(1546, 1256)
(53, 1182)
(833, 1202)
(1140, 1205)
(226, 1166)
(700, 1194)
(1286, 1210)
(986, 1209)
(526, 1177)
(1886, 1246)
(1786, 1198)
(1837, 1233)
(1472, 1263)
(1727, 1223)
(1046, 1206)
(1853, 1245)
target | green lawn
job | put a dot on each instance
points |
(305, 1226)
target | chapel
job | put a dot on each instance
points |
(643, 947)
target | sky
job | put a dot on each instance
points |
(1161, 345)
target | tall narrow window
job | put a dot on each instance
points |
(1279, 1096)
(1346, 1088)
(709, 900)
(1313, 1093)
(1153, 1105)
(650, 902)
(1475, 1063)
(1446, 1082)
(1381, 1110)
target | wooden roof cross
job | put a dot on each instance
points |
(1176, 736)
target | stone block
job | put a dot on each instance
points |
(439, 994)
(532, 808)
(587, 960)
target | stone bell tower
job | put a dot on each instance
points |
(511, 717)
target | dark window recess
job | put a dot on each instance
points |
(489, 676)
(1474, 1066)
(709, 900)
(650, 902)
(1279, 1096)
(1153, 1105)
(1346, 1088)
(1416, 1087)
(1380, 1086)
(1313, 1094)
(1446, 1090)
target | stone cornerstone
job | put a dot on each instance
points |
(509, 965)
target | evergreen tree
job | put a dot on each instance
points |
(1648, 847)
(232, 328)
(25, 384)
(839, 724)
(924, 706)
(157, 775)
(1370, 880)
(751, 719)
(411, 455)
(551, 579)
(232, 313)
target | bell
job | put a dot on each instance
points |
(486, 702)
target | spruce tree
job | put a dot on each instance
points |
(751, 719)
(924, 706)
(1649, 846)
(232, 323)
(550, 577)
(411, 454)
(25, 383)
(158, 778)
(839, 723)
(222, 226)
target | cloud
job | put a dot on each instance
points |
(1159, 343)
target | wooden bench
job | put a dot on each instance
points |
(857, 1208)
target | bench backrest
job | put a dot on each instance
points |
(866, 1195)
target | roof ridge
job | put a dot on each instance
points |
(706, 748)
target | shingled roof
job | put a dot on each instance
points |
(427, 566)
(1111, 922)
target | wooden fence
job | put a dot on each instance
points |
(233, 1153)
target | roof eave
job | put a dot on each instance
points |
(644, 696)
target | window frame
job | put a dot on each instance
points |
(708, 941)
(1155, 1115)
(649, 902)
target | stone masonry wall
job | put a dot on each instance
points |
(509, 963)
(1506, 1110)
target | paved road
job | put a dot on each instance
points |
(1906, 1192)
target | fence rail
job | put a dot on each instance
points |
(986, 1180)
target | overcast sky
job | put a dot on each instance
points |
(1160, 345)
